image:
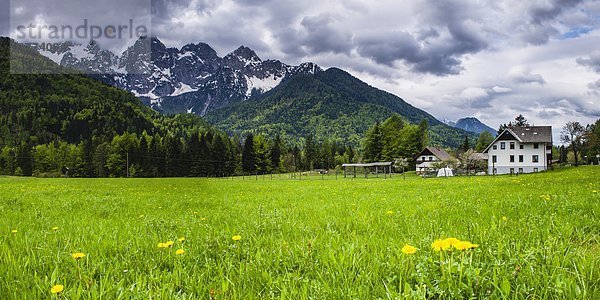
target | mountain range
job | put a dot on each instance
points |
(242, 93)
(471, 124)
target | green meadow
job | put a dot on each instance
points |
(538, 237)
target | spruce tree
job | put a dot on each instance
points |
(248, 155)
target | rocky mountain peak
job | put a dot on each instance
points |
(192, 79)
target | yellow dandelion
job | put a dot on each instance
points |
(389, 212)
(452, 241)
(57, 289)
(462, 245)
(55, 228)
(162, 245)
(408, 249)
(14, 231)
(78, 255)
(236, 237)
(473, 246)
(182, 239)
(504, 218)
(180, 252)
(439, 245)
(169, 243)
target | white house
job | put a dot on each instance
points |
(520, 150)
(428, 157)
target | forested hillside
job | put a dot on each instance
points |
(71, 125)
(331, 105)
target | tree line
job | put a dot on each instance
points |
(195, 153)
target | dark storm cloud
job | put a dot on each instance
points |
(540, 28)
(88, 14)
(162, 9)
(252, 2)
(437, 50)
(592, 61)
(528, 78)
(545, 11)
(387, 48)
(4, 17)
(594, 85)
(322, 37)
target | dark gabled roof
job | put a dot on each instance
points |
(531, 134)
(440, 153)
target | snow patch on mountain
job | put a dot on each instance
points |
(262, 85)
(182, 89)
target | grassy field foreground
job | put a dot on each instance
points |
(538, 237)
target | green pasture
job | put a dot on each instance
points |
(315, 238)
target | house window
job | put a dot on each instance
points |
(520, 170)
(520, 158)
(536, 146)
(431, 158)
(495, 171)
(535, 170)
(512, 170)
(502, 145)
(495, 147)
(512, 158)
(535, 158)
(512, 145)
(494, 159)
(521, 146)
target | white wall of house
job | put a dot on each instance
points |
(425, 162)
(523, 157)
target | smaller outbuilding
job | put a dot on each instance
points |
(445, 172)
(428, 157)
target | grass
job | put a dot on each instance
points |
(538, 237)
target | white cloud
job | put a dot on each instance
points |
(501, 90)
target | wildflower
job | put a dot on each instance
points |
(236, 237)
(462, 245)
(162, 245)
(140, 216)
(169, 244)
(504, 218)
(408, 249)
(180, 252)
(78, 255)
(182, 239)
(389, 212)
(465, 245)
(57, 289)
(14, 231)
(452, 241)
(55, 228)
(439, 245)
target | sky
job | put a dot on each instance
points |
(453, 58)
